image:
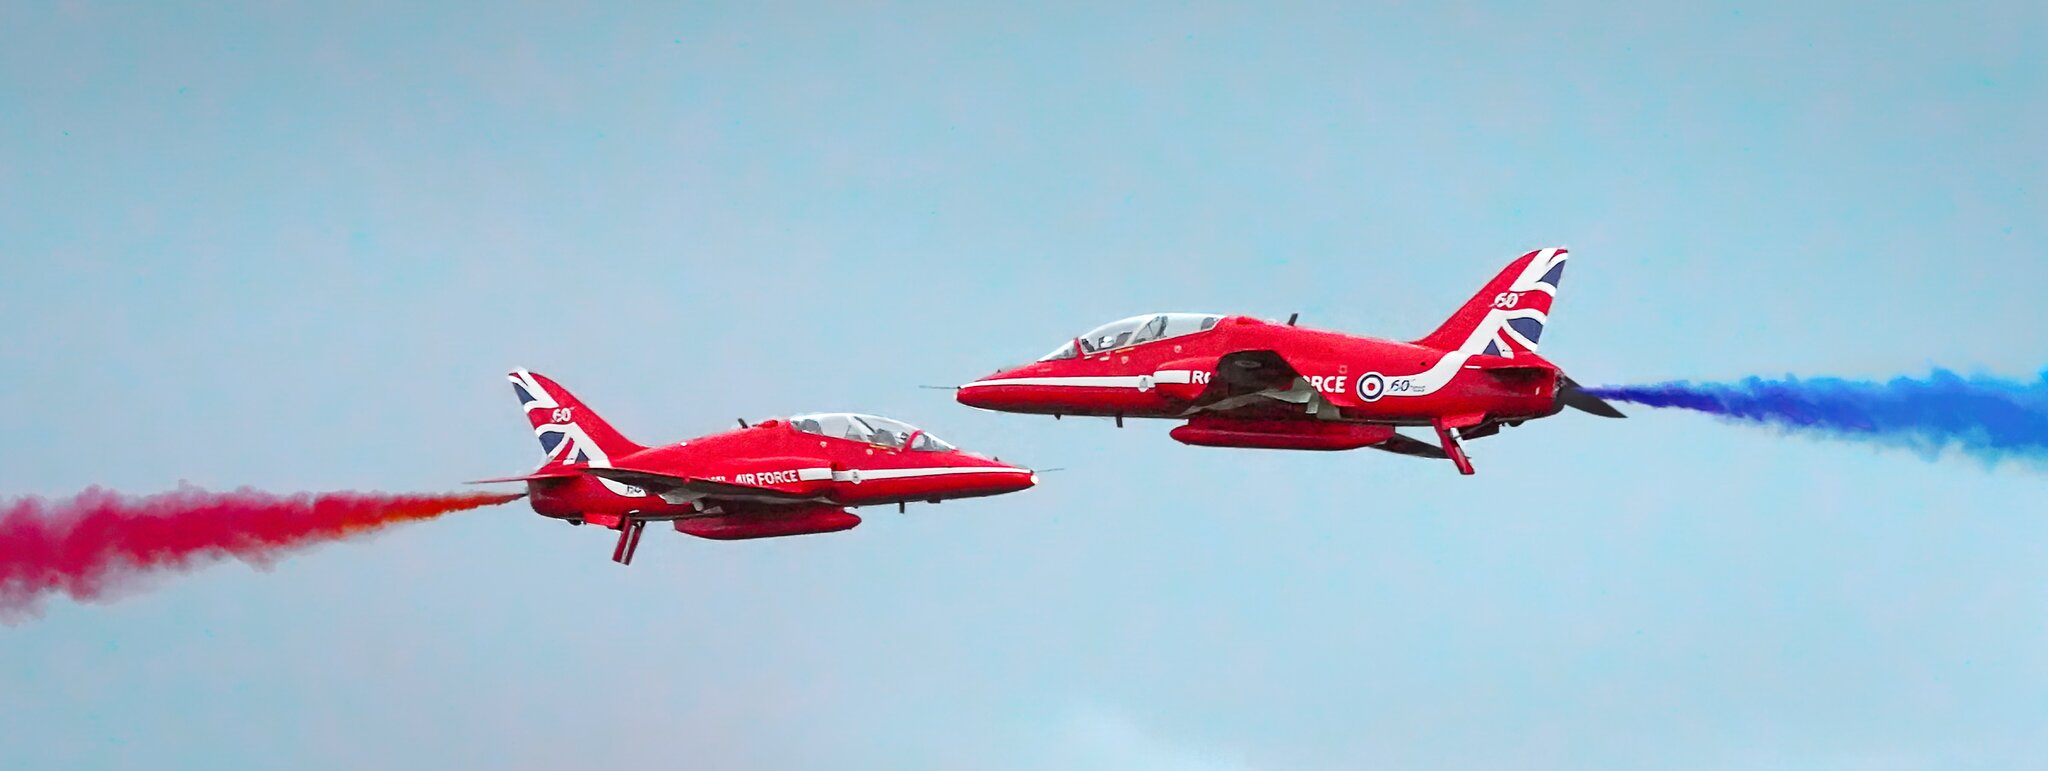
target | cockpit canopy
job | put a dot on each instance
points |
(1142, 328)
(871, 429)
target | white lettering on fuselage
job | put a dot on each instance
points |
(758, 478)
(1199, 377)
(1329, 384)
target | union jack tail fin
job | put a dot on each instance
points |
(1507, 315)
(569, 432)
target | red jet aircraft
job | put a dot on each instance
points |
(774, 478)
(1242, 382)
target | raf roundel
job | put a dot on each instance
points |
(1371, 386)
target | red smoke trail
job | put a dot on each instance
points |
(90, 543)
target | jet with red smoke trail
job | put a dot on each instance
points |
(1243, 382)
(778, 477)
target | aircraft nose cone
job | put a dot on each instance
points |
(1025, 481)
(1011, 479)
(977, 394)
(965, 395)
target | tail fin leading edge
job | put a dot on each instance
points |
(569, 432)
(1507, 316)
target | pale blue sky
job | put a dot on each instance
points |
(295, 246)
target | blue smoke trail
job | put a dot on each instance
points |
(1986, 417)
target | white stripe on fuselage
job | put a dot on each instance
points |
(1130, 381)
(871, 474)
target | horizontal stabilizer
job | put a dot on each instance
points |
(1571, 394)
(553, 473)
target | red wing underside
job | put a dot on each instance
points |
(1247, 373)
(698, 488)
(1402, 444)
(741, 511)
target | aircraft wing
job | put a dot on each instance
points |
(1403, 444)
(536, 476)
(1243, 373)
(668, 484)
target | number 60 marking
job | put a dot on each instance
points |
(1507, 299)
(564, 414)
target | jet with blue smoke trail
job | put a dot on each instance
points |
(1986, 417)
(1243, 382)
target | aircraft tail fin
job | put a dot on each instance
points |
(1507, 315)
(569, 432)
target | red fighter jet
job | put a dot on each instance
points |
(773, 478)
(1242, 382)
